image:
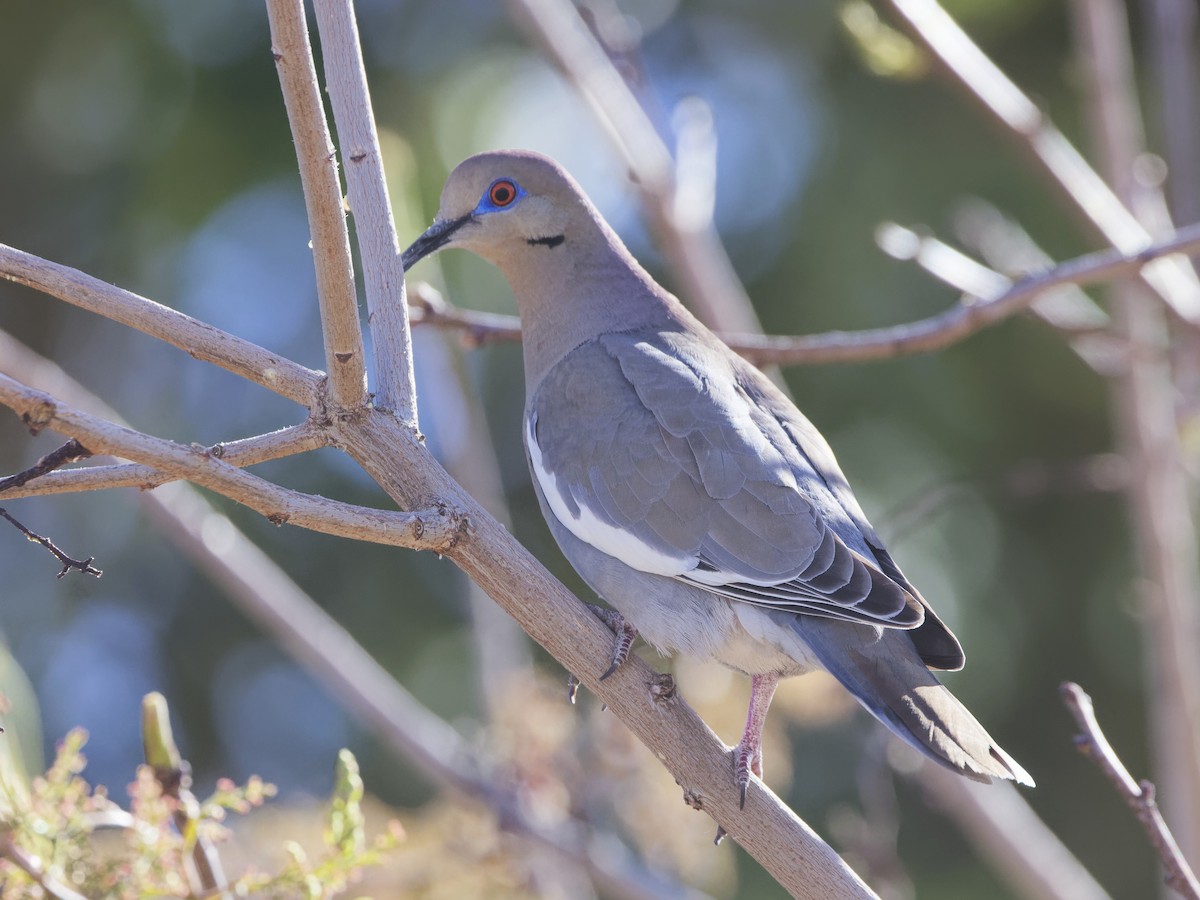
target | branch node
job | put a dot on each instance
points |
(39, 415)
(662, 688)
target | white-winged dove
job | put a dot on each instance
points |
(686, 489)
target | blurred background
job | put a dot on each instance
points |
(145, 142)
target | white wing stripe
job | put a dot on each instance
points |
(591, 529)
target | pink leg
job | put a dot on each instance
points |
(747, 755)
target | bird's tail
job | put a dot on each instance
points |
(885, 674)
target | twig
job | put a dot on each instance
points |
(1009, 249)
(71, 451)
(1174, 280)
(241, 453)
(344, 358)
(436, 529)
(1138, 795)
(83, 565)
(32, 867)
(383, 274)
(922, 336)
(198, 339)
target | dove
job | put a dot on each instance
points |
(686, 489)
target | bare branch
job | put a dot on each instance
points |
(323, 198)
(1174, 280)
(196, 338)
(1009, 249)
(437, 529)
(770, 832)
(383, 274)
(241, 453)
(71, 451)
(922, 336)
(1139, 796)
(83, 565)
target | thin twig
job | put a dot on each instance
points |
(436, 529)
(83, 565)
(241, 453)
(71, 451)
(1009, 249)
(1138, 795)
(344, 359)
(936, 332)
(198, 339)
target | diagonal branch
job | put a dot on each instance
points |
(1174, 280)
(437, 529)
(323, 199)
(1138, 795)
(198, 339)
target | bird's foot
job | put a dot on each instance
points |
(626, 635)
(747, 759)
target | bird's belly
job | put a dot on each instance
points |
(676, 617)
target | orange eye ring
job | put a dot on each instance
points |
(502, 193)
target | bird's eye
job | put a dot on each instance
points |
(502, 193)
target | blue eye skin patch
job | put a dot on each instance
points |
(487, 206)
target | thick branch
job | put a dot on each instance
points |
(1139, 796)
(1172, 279)
(196, 338)
(323, 199)
(435, 529)
(383, 274)
(793, 854)
(922, 336)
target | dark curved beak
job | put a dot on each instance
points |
(435, 238)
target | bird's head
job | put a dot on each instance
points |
(504, 205)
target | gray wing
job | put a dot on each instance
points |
(651, 449)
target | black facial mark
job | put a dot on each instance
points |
(546, 241)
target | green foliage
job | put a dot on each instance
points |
(52, 835)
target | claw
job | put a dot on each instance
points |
(721, 832)
(572, 687)
(626, 635)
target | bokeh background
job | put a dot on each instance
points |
(145, 142)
